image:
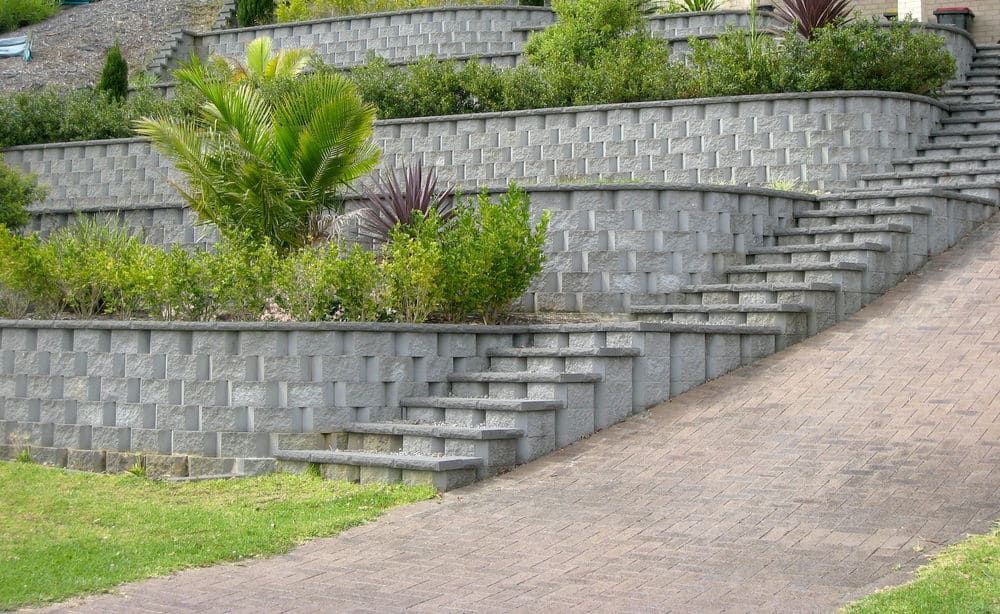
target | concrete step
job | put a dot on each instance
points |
(967, 136)
(442, 472)
(528, 377)
(794, 320)
(955, 162)
(946, 178)
(883, 266)
(825, 300)
(980, 147)
(849, 276)
(886, 214)
(562, 352)
(966, 122)
(956, 87)
(979, 94)
(546, 424)
(496, 446)
(841, 233)
(973, 109)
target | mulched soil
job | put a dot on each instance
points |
(69, 48)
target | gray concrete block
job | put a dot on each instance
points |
(86, 460)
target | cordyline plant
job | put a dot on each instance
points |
(262, 167)
(809, 15)
(390, 203)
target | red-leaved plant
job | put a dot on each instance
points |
(808, 15)
(391, 203)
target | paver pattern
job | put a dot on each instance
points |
(797, 484)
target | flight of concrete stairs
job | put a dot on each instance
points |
(839, 254)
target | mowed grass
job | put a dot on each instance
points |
(964, 578)
(65, 533)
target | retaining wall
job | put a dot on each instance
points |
(223, 396)
(825, 139)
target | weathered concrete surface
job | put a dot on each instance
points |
(792, 485)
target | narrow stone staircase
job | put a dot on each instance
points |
(845, 250)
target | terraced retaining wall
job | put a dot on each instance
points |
(825, 139)
(221, 397)
(455, 32)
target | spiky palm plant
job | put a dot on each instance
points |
(261, 168)
(263, 65)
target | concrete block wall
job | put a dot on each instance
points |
(229, 392)
(825, 139)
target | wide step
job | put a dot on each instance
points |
(442, 472)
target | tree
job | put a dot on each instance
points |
(114, 75)
(261, 167)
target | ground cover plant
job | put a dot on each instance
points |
(18, 13)
(65, 533)
(963, 578)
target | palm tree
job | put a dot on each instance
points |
(260, 168)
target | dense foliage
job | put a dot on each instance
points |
(474, 265)
(114, 75)
(254, 12)
(17, 191)
(54, 115)
(263, 167)
(17, 13)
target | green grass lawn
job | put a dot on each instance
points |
(64, 533)
(964, 578)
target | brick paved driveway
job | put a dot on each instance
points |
(794, 485)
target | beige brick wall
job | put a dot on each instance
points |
(985, 28)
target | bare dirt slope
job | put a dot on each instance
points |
(69, 48)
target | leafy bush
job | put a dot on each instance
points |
(52, 115)
(864, 55)
(254, 12)
(114, 75)
(17, 191)
(690, 6)
(740, 62)
(491, 255)
(17, 13)
(601, 51)
(809, 15)
(475, 265)
(260, 168)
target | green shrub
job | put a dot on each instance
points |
(52, 115)
(262, 167)
(601, 51)
(689, 6)
(412, 268)
(740, 62)
(17, 191)
(359, 286)
(17, 13)
(491, 255)
(254, 12)
(114, 75)
(864, 55)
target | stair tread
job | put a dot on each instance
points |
(965, 132)
(948, 158)
(842, 228)
(983, 143)
(724, 308)
(483, 404)
(884, 192)
(872, 210)
(527, 377)
(446, 431)
(393, 460)
(764, 286)
(819, 247)
(804, 266)
(563, 352)
(932, 173)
